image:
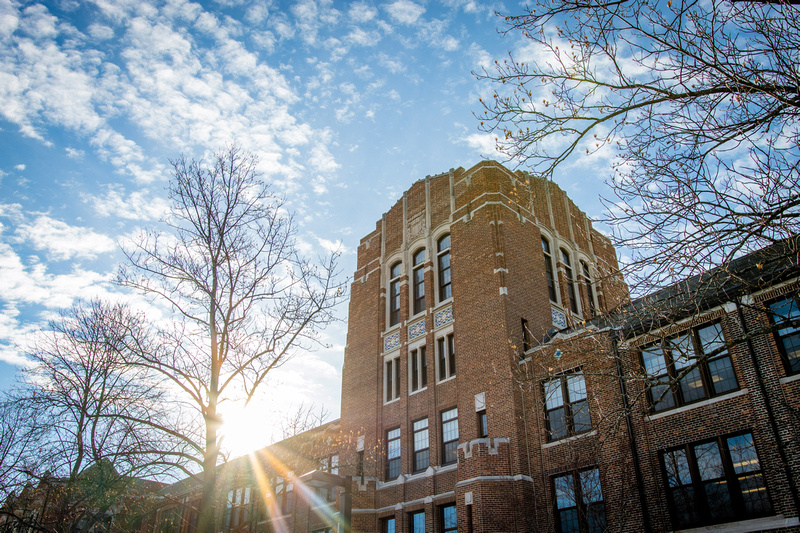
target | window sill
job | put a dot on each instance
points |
(392, 401)
(392, 329)
(684, 408)
(423, 389)
(569, 439)
(789, 379)
(445, 380)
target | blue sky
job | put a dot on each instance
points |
(346, 105)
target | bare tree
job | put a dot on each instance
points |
(243, 298)
(699, 101)
(84, 424)
(302, 419)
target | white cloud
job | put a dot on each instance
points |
(20, 167)
(100, 32)
(74, 153)
(484, 143)
(405, 11)
(361, 12)
(62, 241)
(138, 205)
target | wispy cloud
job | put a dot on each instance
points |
(62, 241)
(405, 11)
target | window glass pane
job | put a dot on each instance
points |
(568, 521)
(692, 386)
(388, 525)
(682, 351)
(395, 270)
(590, 486)
(711, 338)
(755, 494)
(709, 462)
(722, 377)
(450, 430)
(576, 387)
(449, 517)
(557, 421)
(596, 518)
(565, 492)
(553, 393)
(581, 421)
(419, 257)
(743, 453)
(394, 449)
(654, 363)
(418, 523)
(719, 500)
(677, 466)
(662, 397)
(684, 508)
(444, 243)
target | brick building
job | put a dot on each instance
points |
(497, 378)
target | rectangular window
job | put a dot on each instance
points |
(421, 446)
(419, 281)
(416, 522)
(573, 299)
(715, 481)
(689, 368)
(391, 372)
(419, 369)
(526, 337)
(449, 518)
(447, 356)
(394, 294)
(548, 269)
(579, 502)
(449, 436)
(783, 313)
(237, 509)
(360, 464)
(566, 407)
(284, 495)
(587, 278)
(392, 454)
(387, 525)
(483, 426)
(443, 259)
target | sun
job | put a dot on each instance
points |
(245, 429)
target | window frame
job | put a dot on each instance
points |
(418, 368)
(284, 494)
(416, 465)
(391, 378)
(698, 501)
(569, 276)
(237, 509)
(412, 518)
(449, 456)
(483, 424)
(549, 270)
(568, 405)
(394, 293)
(445, 356)
(418, 282)
(393, 463)
(444, 273)
(791, 364)
(385, 525)
(443, 509)
(590, 293)
(699, 367)
(583, 509)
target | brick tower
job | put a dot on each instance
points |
(458, 279)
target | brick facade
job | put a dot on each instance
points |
(575, 438)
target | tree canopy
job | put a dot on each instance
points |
(698, 103)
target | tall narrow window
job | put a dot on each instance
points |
(587, 278)
(419, 369)
(483, 424)
(443, 249)
(416, 522)
(387, 525)
(392, 454)
(566, 407)
(548, 270)
(783, 312)
(394, 294)
(526, 336)
(391, 373)
(419, 281)
(421, 446)
(449, 436)
(237, 510)
(573, 300)
(579, 502)
(447, 356)
(449, 518)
